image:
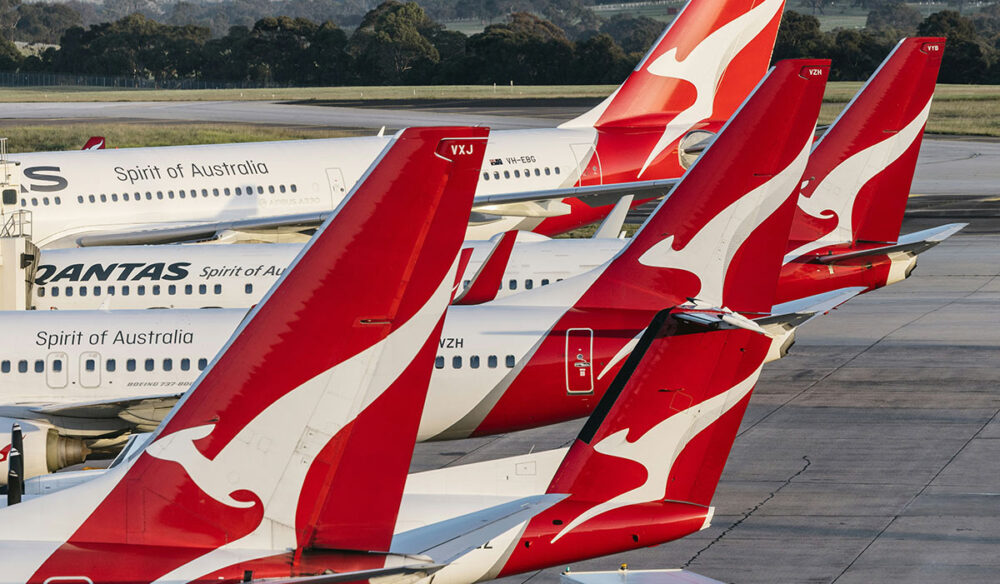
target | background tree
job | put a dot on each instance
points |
(635, 35)
(896, 16)
(390, 46)
(967, 58)
(526, 50)
(43, 22)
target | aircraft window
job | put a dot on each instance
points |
(34, 201)
(181, 193)
(140, 290)
(168, 364)
(491, 361)
(466, 283)
(149, 364)
(90, 197)
(5, 366)
(90, 365)
(55, 291)
(226, 191)
(538, 172)
(39, 366)
(558, 279)
(149, 196)
(137, 197)
(474, 361)
(486, 176)
(215, 192)
(69, 290)
(456, 362)
(218, 288)
(130, 365)
(270, 189)
(545, 281)
(510, 361)
(171, 289)
(124, 290)
(22, 366)
(556, 169)
(170, 194)
(496, 175)
(110, 365)
(204, 192)
(97, 290)
(202, 289)
(517, 173)
(202, 363)
(41, 292)
(104, 198)
(506, 174)
(239, 191)
(281, 188)
(294, 188)
(79, 199)
(188, 289)
(58, 201)
(159, 195)
(114, 197)
(529, 284)
(24, 202)
(156, 289)
(45, 200)
(83, 290)
(185, 364)
(57, 365)
(513, 285)
(248, 288)
(260, 190)
(125, 196)
(527, 172)
(439, 362)
(111, 290)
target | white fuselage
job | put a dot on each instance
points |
(70, 194)
(238, 276)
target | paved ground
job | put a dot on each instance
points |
(870, 454)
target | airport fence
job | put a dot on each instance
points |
(13, 79)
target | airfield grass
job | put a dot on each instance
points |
(970, 110)
(72, 136)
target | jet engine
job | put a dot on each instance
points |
(45, 451)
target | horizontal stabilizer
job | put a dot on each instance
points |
(626, 576)
(485, 285)
(802, 310)
(915, 243)
(613, 223)
(446, 540)
(412, 573)
(594, 195)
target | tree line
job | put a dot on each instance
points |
(398, 43)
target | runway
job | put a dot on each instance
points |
(869, 454)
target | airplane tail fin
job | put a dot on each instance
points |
(646, 464)
(702, 67)
(275, 446)
(858, 178)
(94, 143)
(719, 236)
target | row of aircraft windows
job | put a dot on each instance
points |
(181, 194)
(111, 365)
(474, 362)
(512, 284)
(517, 173)
(140, 290)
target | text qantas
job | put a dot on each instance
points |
(131, 271)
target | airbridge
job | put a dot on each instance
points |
(18, 255)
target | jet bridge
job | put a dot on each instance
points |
(18, 255)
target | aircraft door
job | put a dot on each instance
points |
(90, 369)
(579, 360)
(57, 370)
(588, 164)
(338, 189)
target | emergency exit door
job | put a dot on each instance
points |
(337, 186)
(57, 370)
(90, 369)
(579, 360)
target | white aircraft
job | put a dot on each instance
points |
(546, 180)
(556, 347)
(276, 474)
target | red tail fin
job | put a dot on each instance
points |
(486, 283)
(859, 173)
(720, 235)
(702, 67)
(94, 143)
(645, 466)
(274, 447)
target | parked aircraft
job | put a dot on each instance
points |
(845, 232)
(707, 61)
(556, 347)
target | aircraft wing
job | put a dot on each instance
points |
(143, 413)
(447, 540)
(202, 231)
(540, 203)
